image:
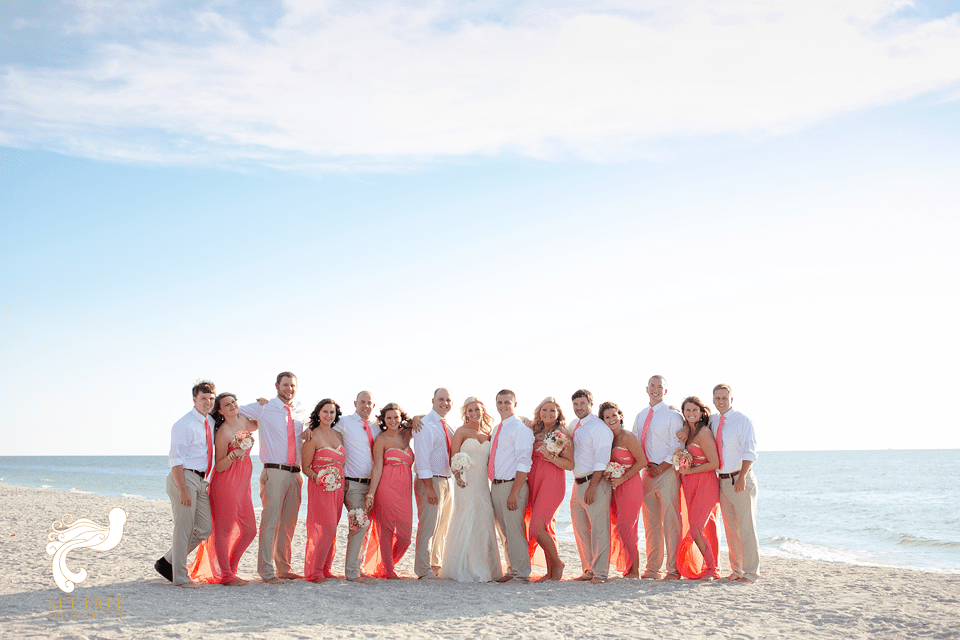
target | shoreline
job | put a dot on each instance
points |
(793, 598)
(765, 553)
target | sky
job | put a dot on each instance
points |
(542, 196)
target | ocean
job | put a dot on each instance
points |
(887, 508)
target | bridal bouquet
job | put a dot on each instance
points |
(461, 462)
(243, 440)
(615, 470)
(357, 519)
(330, 478)
(555, 442)
(682, 459)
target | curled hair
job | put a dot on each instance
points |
(538, 423)
(704, 415)
(610, 405)
(285, 374)
(218, 418)
(382, 416)
(582, 393)
(204, 386)
(314, 420)
(486, 420)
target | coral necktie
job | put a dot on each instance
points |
(206, 428)
(291, 439)
(720, 440)
(643, 434)
(493, 452)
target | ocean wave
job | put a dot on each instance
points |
(912, 541)
(785, 547)
(89, 493)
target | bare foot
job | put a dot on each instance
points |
(189, 585)
(360, 580)
(239, 582)
(394, 577)
(671, 576)
(557, 573)
(587, 575)
(633, 575)
(596, 580)
(435, 569)
(506, 578)
(542, 578)
(275, 580)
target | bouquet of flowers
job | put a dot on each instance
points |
(615, 470)
(357, 519)
(555, 442)
(461, 462)
(243, 440)
(682, 459)
(330, 478)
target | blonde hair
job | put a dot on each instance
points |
(486, 420)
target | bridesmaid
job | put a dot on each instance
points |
(627, 494)
(324, 450)
(701, 491)
(390, 495)
(547, 484)
(234, 523)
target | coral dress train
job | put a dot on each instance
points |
(547, 484)
(392, 515)
(625, 505)
(234, 524)
(323, 514)
(701, 495)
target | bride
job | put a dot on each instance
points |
(470, 553)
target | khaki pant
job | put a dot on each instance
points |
(353, 498)
(591, 527)
(280, 497)
(661, 522)
(512, 530)
(739, 512)
(432, 523)
(191, 525)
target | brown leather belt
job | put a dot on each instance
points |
(282, 467)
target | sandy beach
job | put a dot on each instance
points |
(794, 598)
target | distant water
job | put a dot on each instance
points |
(889, 508)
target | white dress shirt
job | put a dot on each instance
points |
(356, 443)
(514, 449)
(188, 441)
(272, 426)
(739, 440)
(662, 440)
(430, 446)
(592, 444)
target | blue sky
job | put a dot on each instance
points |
(399, 196)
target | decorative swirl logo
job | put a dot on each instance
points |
(83, 533)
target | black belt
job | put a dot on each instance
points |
(583, 479)
(444, 477)
(732, 476)
(495, 481)
(360, 480)
(202, 474)
(282, 467)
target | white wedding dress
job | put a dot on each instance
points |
(470, 553)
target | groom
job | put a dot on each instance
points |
(432, 446)
(511, 456)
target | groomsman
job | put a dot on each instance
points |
(432, 446)
(590, 499)
(511, 456)
(358, 444)
(280, 480)
(191, 459)
(737, 446)
(656, 427)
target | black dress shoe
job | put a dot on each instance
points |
(164, 568)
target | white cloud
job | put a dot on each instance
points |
(385, 84)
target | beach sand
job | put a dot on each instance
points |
(793, 599)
